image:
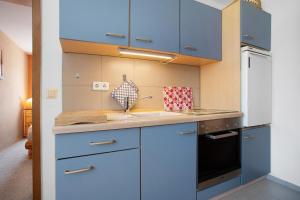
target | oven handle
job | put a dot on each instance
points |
(217, 137)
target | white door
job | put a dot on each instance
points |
(257, 89)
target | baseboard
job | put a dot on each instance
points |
(269, 177)
(237, 189)
(284, 183)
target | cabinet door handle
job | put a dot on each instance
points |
(77, 171)
(190, 47)
(115, 35)
(217, 137)
(249, 137)
(144, 40)
(103, 142)
(249, 62)
(188, 132)
(248, 37)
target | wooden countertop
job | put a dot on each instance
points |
(141, 122)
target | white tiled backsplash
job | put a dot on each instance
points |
(149, 76)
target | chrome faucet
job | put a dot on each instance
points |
(126, 100)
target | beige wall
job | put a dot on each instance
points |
(150, 77)
(29, 79)
(13, 90)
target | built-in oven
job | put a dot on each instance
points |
(218, 151)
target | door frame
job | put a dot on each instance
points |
(36, 94)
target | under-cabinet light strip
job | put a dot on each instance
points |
(131, 52)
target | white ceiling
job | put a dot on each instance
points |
(16, 23)
(220, 4)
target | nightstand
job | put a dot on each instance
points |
(27, 119)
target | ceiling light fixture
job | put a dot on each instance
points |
(139, 53)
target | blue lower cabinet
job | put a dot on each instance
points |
(109, 176)
(218, 189)
(255, 153)
(168, 162)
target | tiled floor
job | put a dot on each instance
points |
(264, 190)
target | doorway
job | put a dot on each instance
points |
(26, 106)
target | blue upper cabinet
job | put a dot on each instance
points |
(255, 153)
(168, 162)
(255, 26)
(155, 25)
(100, 21)
(200, 30)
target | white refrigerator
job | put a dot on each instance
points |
(256, 82)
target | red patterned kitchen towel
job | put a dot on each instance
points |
(177, 98)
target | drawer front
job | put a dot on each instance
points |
(28, 113)
(78, 144)
(28, 120)
(109, 176)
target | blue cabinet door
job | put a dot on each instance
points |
(255, 153)
(200, 30)
(109, 176)
(155, 24)
(168, 162)
(255, 26)
(104, 21)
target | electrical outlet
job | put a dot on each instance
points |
(100, 86)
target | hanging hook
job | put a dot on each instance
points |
(124, 77)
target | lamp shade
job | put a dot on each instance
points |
(27, 103)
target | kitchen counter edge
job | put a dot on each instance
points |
(141, 122)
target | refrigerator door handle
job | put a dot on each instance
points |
(249, 62)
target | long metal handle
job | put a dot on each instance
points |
(189, 47)
(188, 132)
(103, 143)
(248, 37)
(217, 137)
(249, 137)
(79, 170)
(144, 40)
(115, 35)
(249, 62)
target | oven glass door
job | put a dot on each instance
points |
(218, 154)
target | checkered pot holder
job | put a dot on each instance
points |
(126, 89)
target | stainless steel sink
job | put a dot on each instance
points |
(137, 115)
(119, 116)
(155, 114)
